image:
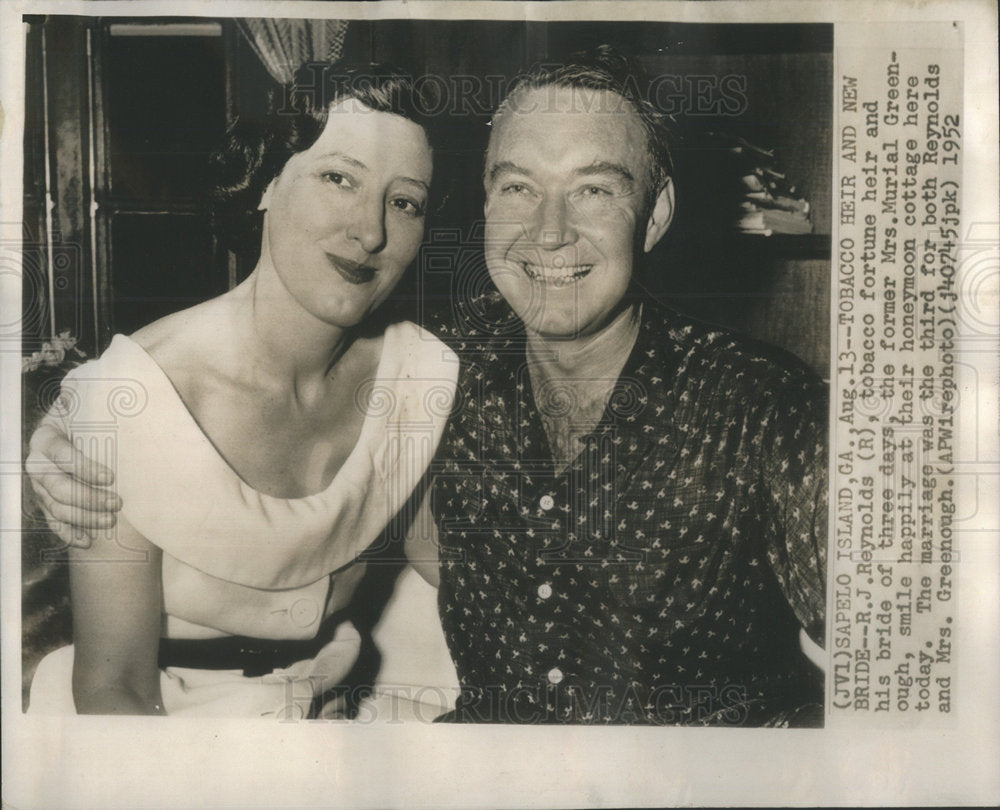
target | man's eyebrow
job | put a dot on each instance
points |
(506, 167)
(606, 167)
(597, 167)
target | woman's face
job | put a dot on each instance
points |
(345, 218)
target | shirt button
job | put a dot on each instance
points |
(544, 590)
(546, 502)
(555, 676)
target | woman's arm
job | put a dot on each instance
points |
(117, 600)
(421, 543)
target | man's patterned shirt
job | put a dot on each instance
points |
(662, 577)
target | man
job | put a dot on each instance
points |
(630, 505)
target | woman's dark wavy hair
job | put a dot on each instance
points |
(255, 152)
(605, 68)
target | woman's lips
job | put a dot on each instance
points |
(351, 271)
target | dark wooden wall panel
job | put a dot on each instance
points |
(69, 149)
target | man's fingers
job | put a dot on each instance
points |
(71, 536)
(73, 515)
(50, 445)
(91, 472)
(72, 493)
(68, 477)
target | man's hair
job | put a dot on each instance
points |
(255, 152)
(604, 68)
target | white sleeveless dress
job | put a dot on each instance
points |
(237, 561)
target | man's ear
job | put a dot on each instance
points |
(661, 216)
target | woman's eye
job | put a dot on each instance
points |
(408, 206)
(338, 179)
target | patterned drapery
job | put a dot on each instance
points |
(283, 45)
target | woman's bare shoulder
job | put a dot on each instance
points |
(186, 336)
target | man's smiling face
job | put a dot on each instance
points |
(567, 191)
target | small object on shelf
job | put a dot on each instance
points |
(765, 202)
(774, 220)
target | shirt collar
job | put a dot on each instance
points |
(640, 408)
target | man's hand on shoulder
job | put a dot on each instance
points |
(71, 488)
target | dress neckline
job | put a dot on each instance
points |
(353, 458)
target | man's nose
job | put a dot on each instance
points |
(553, 224)
(367, 224)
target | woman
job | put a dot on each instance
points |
(269, 434)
